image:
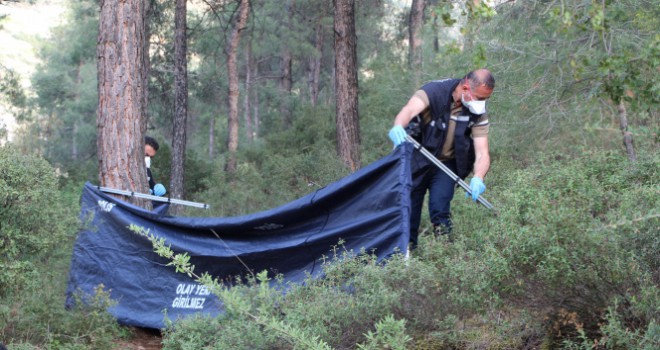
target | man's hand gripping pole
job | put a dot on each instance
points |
(448, 171)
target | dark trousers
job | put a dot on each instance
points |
(441, 191)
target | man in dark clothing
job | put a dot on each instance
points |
(150, 149)
(451, 117)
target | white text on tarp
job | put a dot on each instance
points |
(190, 296)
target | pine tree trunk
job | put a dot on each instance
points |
(285, 89)
(255, 115)
(248, 93)
(74, 141)
(285, 70)
(436, 40)
(121, 84)
(74, 133)
(346, 90)
(180, 105)
(211, 137)
(415, 24)
(315, 62)
(232, 72)
(148, 12)
(627, 135)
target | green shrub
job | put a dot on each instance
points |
(617, 333)
(572, 235)
(618, 336)
(88, 325)
(39, 318)
(33, 218)
(38, 225)
(266, 179)
(197, 170)
(390, 334)
(570, 260)
(343, 306)
(223, 332)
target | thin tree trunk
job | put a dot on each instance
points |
(255, 103)
(248, 93)
(315, 62)
(285, 89)
(415, 24)
(436, 40)
(285, 70)
(148, 12)
(627, 135)
(211, 137)
(180, 105)
(74, 141)
(346, 91)
(46, 128)
(232, 72)
(333, 82)
(471, 27)
(121, 84)
(74, 134)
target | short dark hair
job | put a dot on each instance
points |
(480, 77)
(148, 140)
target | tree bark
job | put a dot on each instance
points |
(285, 69)
(211, 137)
(627, 135)
(346, 85)
(285, 89)
(315, 62)
(148, 13)
(436, 40)
(255, 103)
(415, 25)
(74, 141)
(180, 104)
(232, 72)
(74, 133)
(249, 132)
(121, 85)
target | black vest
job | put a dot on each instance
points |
(432, 135)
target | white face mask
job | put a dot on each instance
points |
(147, 161)
(476, 107)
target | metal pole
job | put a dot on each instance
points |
(153, 198)
(447, 171)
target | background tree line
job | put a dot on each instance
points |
(280, 63)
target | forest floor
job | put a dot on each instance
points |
(143, 339)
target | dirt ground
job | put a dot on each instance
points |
(143, 339)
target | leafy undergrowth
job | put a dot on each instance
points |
(571, 261)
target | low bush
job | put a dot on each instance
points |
(33, 217)
(38, 226)
(570, 261)
(36, 317)
(266, 179)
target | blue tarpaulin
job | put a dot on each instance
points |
(368, 209)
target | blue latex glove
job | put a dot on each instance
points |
(397, 134)
(159, 190)
(477, 187)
